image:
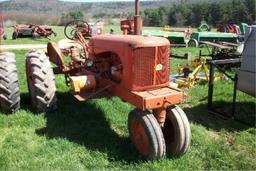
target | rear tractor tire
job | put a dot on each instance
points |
(41, 82)
(146, 134)
(9, 85)
(176, 132)
(5, 36)
(14, 35)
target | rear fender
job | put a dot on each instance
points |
(55, 54)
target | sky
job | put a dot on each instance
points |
(94, 0)
(97, 0)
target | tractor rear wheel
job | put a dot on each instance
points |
(41, 82)
(9, 85)
(14, 35)
(5, 36)
(146, 134)
(176, 132)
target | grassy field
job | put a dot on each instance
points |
(93, 134)
(60, 35)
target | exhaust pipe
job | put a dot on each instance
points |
(137, 18)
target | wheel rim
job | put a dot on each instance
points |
(139, 137)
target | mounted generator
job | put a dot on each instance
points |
(33, 31)
(9, 85)
(134, 68)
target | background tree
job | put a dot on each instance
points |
(70, 16)
(191, 14)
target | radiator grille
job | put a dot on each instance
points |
(145, 73)
(163, 59)
(144, 60)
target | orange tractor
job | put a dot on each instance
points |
(133, 67)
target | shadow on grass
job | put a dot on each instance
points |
(85, 124)
(245, 112)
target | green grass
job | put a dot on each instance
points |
(60, 35)
(9, 41)
(94, 135)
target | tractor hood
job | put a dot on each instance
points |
(134, 41)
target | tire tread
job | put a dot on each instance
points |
(41, 82)
(9, 85)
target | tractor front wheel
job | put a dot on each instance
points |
(146, 134)
(9, 85)
(176, 132)
(41, 82)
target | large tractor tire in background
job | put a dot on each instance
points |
(146, 134)
(176, 132)
(9, 85)
(14, 35)
(5, 36)
(41, 82)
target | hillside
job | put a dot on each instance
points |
(50, 11)
(58, 7)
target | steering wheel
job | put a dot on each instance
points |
(75, 26)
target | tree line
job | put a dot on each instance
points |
(154, 13)
(191, 14)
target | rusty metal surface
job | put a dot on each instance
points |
(33, 30)
(129, 40)
(159, 98)
(137, 19)
(55, 54)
